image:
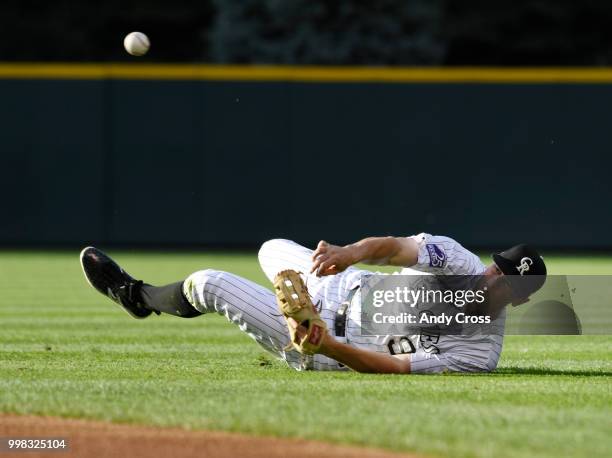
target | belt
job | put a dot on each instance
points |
(341, 315)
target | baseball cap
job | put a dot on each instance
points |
(524, 267)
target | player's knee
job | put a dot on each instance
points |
(195, 284)
(270, 248)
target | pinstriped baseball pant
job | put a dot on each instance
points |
(253, 307)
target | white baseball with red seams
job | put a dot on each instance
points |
(136, 44)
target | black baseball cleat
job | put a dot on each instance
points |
(108, 278)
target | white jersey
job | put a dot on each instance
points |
(253, 308)
(431, 352)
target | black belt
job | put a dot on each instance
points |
(341, 316)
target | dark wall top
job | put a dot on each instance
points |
(235, 163)
(381, 32)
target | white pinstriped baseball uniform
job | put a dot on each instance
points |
(463, 353)
(253, 308)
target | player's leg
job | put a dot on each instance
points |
(136, 298)
(250, 306)
(168, 299)
(245, 303)
(280, 254)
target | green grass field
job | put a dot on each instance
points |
(67, 351)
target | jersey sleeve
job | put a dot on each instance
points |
(423, 362)
(461, 353)
(444, 256)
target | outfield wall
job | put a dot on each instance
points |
(226, 159)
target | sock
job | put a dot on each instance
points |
(168, 299)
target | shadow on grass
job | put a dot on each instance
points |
(542, 371)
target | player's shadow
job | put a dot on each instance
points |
(537, 371)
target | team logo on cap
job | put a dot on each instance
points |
(524, 265)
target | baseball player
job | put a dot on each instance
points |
(332, 340)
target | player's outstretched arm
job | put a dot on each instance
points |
(364, 360)
(393, 251)
(356, 358)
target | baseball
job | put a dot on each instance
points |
(136, 43)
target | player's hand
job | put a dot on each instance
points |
(330, 259)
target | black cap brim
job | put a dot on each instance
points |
(505, 265)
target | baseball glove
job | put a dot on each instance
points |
(294, 303)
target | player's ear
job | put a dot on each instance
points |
(517, 302)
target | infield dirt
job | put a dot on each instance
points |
(99, 439)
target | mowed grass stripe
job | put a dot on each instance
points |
(65, 350)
